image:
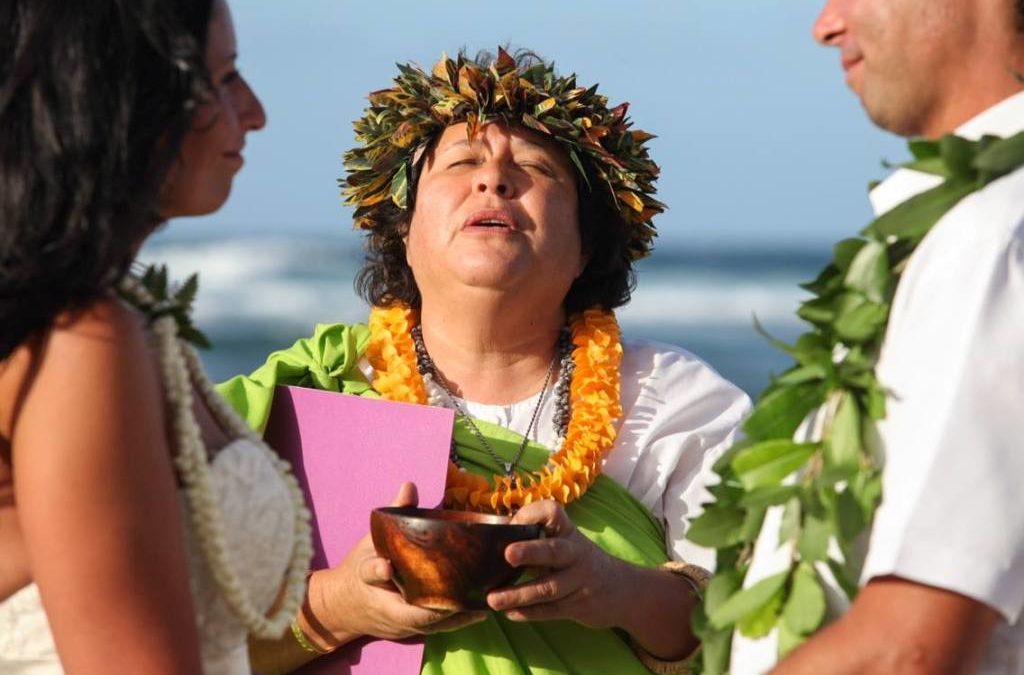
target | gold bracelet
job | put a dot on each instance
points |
(304, 642)
(698, 578)
(660, 667)
(695, 574)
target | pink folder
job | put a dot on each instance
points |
(350, 455)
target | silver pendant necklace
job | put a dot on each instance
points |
(563, 353)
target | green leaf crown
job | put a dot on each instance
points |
(401, 121)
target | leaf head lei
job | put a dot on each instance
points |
(830, 485)
(403, 120)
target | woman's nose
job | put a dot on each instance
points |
(492, 176)
(252, 115)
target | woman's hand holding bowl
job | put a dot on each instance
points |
(576, 580)
(357, 598)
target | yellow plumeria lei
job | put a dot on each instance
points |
(594, 394)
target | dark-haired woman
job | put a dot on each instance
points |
(504, 206)
(143, 529)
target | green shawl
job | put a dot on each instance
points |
(607, 514)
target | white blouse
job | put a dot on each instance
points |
(679, 416)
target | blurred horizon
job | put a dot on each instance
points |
(765, 158)
(758, 139)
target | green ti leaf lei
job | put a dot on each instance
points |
(174, 301)
(829, 488)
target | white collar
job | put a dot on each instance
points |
(1003, 119)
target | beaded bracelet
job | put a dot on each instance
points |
(698, 578)
(304, 642)
(695, 574)
(659, 667)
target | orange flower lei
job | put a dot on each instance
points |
(594, 394)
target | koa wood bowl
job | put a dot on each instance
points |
(447, 560)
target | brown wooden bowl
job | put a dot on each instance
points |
(447, 560)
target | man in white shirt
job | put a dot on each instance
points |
(943, 577)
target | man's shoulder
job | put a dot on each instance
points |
(979, 232)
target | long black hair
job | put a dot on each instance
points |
(95, 100)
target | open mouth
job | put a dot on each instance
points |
(490, 220)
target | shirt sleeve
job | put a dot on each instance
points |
(679, 416)
(952, 515)
(326, 360)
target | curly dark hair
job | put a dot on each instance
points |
(607, 281)
(95, 100)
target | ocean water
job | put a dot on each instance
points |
(262, 292)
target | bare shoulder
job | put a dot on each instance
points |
(100, 349)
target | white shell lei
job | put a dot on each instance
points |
(181, 368)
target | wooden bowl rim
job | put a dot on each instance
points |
(458, 518)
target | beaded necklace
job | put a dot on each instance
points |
(430, 376)
(181, 371)
(590, 431)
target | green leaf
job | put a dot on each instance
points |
(195, 336)
(842, 577)
(721, 465)
(186, 295)
(752, 524)
(716, 527)
(845, 251)
(818, 310)
(958, 154)
(814, 539)
(760, 622)
(1002, 156)
(727, 558)
(789, 528)
(812, 349)
(866, 488)
(768, 463)
(788, 640)
(933, 165)
(858, 318)
(828, 280)
(805, 608)
(913, 218)
(849, 516)
(779, 413)
(721, 587)
(769, 496)
(575, 157)
(716, 648)
(875, 400)
(869, 272)
(923, 148)
(802, 374)
(747, 600)
(400, 188)
(842, 447)
(727, 492)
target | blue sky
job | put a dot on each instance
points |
(758, 138)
